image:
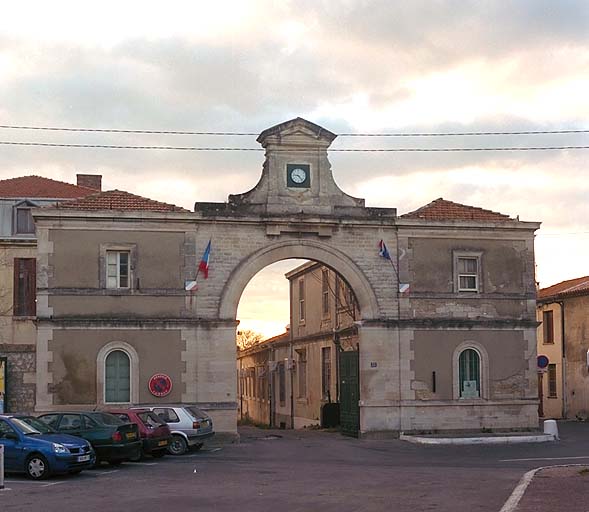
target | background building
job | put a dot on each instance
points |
(563, 337)
(285, 381)
(18, 274)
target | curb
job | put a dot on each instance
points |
(544, 438)
(520, 489)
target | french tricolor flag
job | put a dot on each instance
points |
(383, 251)
(204, 262)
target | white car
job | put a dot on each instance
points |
(189, 425)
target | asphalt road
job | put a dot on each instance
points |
(306, 471)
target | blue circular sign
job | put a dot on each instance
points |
(542, 362)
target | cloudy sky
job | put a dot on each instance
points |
(351, 66)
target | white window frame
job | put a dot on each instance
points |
(117, 255)
(483, 374)
(477, 275)
(101, 371)
(302, 311)
(131, 249)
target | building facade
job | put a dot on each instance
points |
(562, 337)
(18, 269)
(446, 324)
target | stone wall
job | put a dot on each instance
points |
(21, 377)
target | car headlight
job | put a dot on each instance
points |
(59, 448)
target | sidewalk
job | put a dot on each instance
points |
(557, 488)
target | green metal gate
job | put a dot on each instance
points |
(349, 393)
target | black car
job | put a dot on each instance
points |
(113, 440)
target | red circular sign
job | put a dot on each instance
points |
(160, 384)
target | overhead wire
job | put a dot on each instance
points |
(237, 133)
(339, 150)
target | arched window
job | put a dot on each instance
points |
(469, 374)
(117, 377)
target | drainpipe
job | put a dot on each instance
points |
(271, 389)
(564, 362)
(291, 383)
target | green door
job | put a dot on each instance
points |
(349, 393)
(117, 387)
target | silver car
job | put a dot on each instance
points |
(189, 425)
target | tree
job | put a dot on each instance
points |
(247, 339)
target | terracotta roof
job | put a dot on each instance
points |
(440, 209)
(39, 187)
(119, 200)
(578, 286)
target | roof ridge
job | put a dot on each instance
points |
(434, 210)
(573, 286)
(92, 202)
(46, 178)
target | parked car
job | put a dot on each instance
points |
(32, 447)
(113, 440)
(190, 426)
(154, 432)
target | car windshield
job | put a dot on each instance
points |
(151, 419)
(36, 425)
(24, 427)
(196, 412)
(107, 419)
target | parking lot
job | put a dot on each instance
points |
(306, 470)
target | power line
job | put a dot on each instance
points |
(249, 134)
(461, 134)
(339, 150)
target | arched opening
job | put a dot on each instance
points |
(117, 377)
(303, 370)
(469, 374)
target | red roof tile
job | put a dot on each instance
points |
(119, 200)
(440, 209)
(39, 187)
(578, 286)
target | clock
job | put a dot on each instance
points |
(298, 175)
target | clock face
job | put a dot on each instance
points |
(298, 175)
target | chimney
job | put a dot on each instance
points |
(90, 181)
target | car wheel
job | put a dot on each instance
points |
(177, 446)
(37, 467)
(140, 456)
(158, 454)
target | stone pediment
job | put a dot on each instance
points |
(298, 131)
(296, 174)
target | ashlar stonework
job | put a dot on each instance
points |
(295, 211)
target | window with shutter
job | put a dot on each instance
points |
(24, 221)
(25, 287)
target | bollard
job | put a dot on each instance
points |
(1, 467)
(550, 427)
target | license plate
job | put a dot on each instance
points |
(162, 443)
(83, 458)
(130, 435)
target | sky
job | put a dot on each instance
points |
(350, 66)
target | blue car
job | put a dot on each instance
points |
(32, 447)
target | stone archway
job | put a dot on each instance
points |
(412, 310)
(304, 249)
